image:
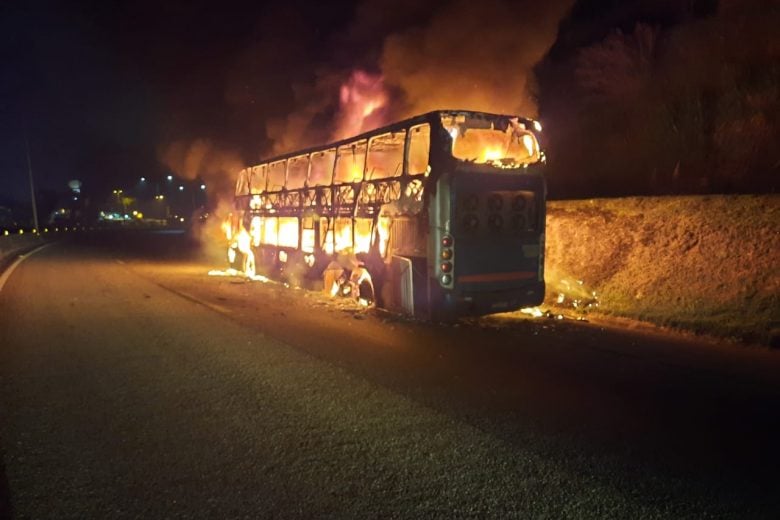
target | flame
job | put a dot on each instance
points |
(241, 241)
(227, 229)
(244, 241)
(490, 154)
(383, 233)
(255, 230)
(536, 312)
(357, 173)
(510, 148)
(361, 100)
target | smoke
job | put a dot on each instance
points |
(474, 55)
(296, 85)
(311, 121)
(362, 103)
(458, 54)
(202, 159)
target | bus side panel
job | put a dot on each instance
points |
(406, 286)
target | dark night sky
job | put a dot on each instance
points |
(102, 87)
(99, 87)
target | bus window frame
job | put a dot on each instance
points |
(302, 185)
(323, 153)
(371, 140)
(353, 145)
(408, 148)
(274, 188)
(262, 168)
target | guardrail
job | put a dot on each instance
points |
(18, 240)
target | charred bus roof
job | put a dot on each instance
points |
(433, 118)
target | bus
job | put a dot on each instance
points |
(438, 216)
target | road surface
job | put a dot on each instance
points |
(132, 385)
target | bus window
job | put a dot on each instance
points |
(276, 175)
(270, 231)
(326, 235)
(322, 167)
(342, 230)
(386, 156)
(497, 141)
(383, 234)
(288, 232)
(363, 235)
(242, 184)
(419, 149)
(307, 235)
(297, 169)
(257, 179)
(351, 159)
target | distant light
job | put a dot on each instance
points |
(21, 231)
(203, 186)
(135, 212)
(5, 233)
(181, 188)
(170, 177)
(143, 179)
(181, 219)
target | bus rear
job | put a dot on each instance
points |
(487, 218)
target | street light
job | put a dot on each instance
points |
(181, 188)
(143, 179)
(170, 177)
(203, 186)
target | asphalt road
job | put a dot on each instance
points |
(132, 385)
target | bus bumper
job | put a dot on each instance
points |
(480, 302)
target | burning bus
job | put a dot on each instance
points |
(438, 216)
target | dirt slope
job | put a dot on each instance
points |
(706, 264)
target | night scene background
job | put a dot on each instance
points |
(588, 332)
(637, 97)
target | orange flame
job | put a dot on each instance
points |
(362, 99)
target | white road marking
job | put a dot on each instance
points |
(7, 274)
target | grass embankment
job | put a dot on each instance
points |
(708, 264)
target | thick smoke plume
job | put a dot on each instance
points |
(202, 159)
(291, 88)
(474, 55)
(457, 54)
(217, 167)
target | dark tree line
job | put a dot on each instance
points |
(691, 107)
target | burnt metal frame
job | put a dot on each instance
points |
(347, 199)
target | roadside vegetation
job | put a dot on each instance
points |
(676, 103)
(707, 264)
